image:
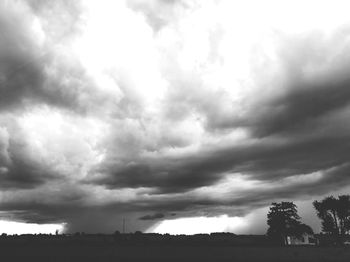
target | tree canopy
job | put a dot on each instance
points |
(283, 220)
(334, 214)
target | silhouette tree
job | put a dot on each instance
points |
(301, 229)
(334, 214)
(283, 220)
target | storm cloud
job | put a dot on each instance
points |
(152, 217)
(140, 109)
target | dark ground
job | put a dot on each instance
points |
(156, 247)
(38, 251)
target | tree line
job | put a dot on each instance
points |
(283, 219)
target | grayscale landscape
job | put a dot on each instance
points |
(174, 129)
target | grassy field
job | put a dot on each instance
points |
(113, 252)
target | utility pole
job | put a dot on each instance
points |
(123, 225)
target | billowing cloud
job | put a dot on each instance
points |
(139, 109)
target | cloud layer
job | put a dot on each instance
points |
(143, 109)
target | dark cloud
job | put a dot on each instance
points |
(119, 152)
(77, 215)
(166, 178)
(21, 174)
(29, 68)
(152, 217)
(310, 83)
(20, 66)
(263, 160)
(108, 217)
(20, 170)
(305, 101)
(246, 200)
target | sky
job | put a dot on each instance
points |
(179, 116)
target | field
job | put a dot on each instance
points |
(41, 251)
